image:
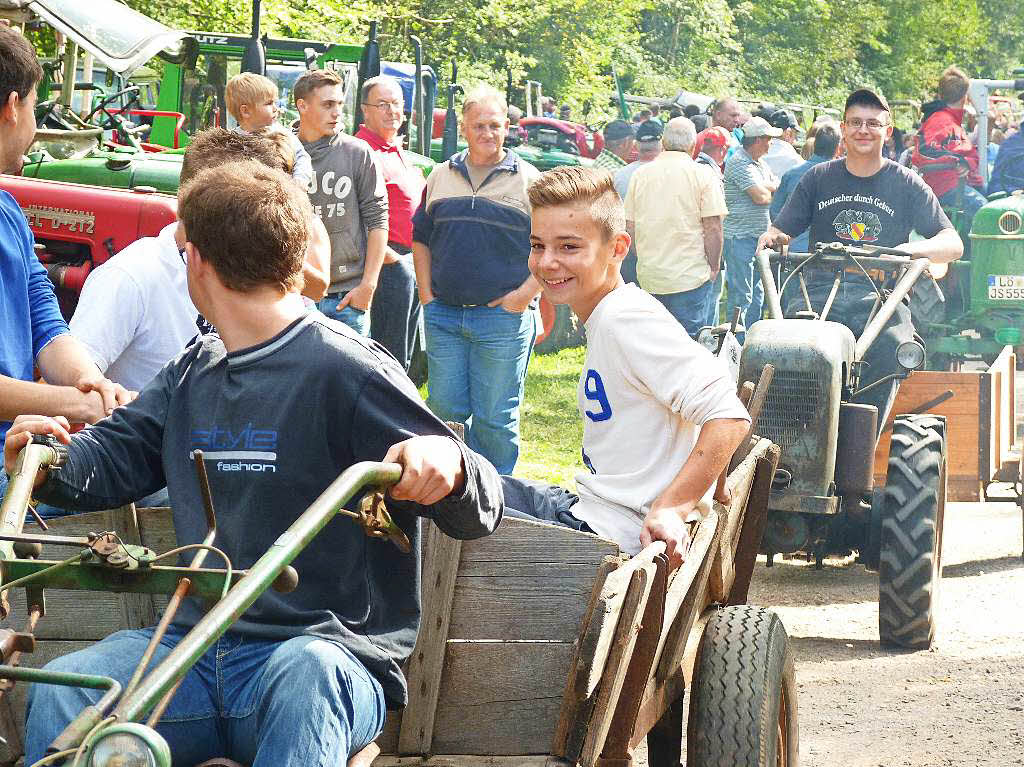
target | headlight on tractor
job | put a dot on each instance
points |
(910, 355)
(129, 745)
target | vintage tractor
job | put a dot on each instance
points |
(822, 500)
(980, 308)
(983, 310)
(77, 228)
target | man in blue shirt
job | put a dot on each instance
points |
(32, 331)
(826, 143)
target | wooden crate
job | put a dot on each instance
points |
(980, 432)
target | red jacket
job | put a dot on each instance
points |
(940, 136)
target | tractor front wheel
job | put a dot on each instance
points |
(743, 710)
(910, 556)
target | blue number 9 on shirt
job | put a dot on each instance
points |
(593, 390)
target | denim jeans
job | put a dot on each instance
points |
(743, 282)
(396, 314)
(356, 319)
(476, 360)
(304, 701)
(970, 203)
(690, 307)
(541, 502)
(715, 298)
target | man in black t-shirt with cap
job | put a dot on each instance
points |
(865, 199)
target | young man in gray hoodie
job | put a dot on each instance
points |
(349, 195)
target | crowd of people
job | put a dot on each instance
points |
(273, 325)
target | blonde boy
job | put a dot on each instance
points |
(252, 101)
(660, 413)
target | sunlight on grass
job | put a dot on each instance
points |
(552, 432)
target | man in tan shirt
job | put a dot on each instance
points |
(674, 212)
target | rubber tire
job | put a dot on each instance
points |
(743, 672)
(910, 558)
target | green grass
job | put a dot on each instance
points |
(552, 432)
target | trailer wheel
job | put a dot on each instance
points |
(910, 557)
(743, 709)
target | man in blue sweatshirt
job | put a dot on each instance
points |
(280, 400)
(32, 331)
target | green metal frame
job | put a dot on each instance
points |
(149, 692)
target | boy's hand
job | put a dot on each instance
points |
(431, 469)
(668, 524)
(360, 297)
(20, 434)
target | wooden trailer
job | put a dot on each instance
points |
(980, 409)
(541, 646)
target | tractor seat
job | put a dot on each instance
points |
(360, 759)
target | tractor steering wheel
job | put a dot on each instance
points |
(112, 121)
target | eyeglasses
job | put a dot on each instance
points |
(394, 106)
(872, 125)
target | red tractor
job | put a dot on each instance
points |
(77, 227)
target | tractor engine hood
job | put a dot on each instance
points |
(122, 38)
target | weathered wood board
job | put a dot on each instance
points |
(979, 423)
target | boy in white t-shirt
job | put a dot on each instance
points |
(660, 414)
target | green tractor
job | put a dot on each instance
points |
(106, 148)
(983, 306)
(980, 308)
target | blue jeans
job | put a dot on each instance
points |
(715, 298)
(539, 501)
(396, 314)
(476, 370)
(743, 282)
(305, 701)
(690, 307)
(356, 319)
(971, 202)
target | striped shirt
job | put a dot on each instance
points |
(746, 218)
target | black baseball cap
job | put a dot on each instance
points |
(783, 118)
(866, 96)
(650, 130)
(617, 130)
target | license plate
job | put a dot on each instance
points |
(1006, 287)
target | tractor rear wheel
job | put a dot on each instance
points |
(743, 709)
(910, 556)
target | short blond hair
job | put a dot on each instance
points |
(484, 94)
(953, 85)
(247, 88)
(572, 184)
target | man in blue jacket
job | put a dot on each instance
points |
(32, 331)
(471, 242)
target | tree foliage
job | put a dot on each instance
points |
(810, 51)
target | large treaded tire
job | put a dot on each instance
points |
(910, 556)
(743, 708)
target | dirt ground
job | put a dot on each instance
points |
(961, 703)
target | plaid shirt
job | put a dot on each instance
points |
(609, 161)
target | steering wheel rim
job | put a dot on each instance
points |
(102, 106)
